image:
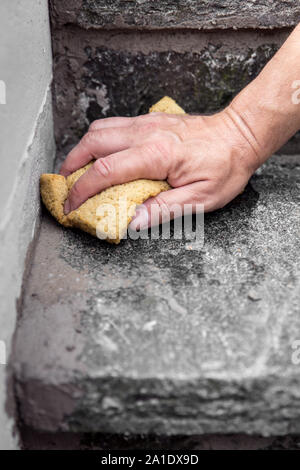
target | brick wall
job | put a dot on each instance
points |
(118, 57)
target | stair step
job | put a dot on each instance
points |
(151, 337)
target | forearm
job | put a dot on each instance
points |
(267, 110)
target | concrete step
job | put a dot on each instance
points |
(151, 337)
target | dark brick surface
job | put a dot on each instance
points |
(109, 74)
(176, 14)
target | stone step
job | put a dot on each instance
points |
(152, 337)
(175, 14)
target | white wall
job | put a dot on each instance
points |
(26, 150)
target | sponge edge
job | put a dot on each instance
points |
(107, 214)
(166, 105)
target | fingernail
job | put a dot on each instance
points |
(67, 207)
(140, 220)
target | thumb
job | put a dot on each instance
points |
(166, 206)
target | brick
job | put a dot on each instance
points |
(100, 74)
(176, 14)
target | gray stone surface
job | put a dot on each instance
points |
(194, 14)
(100, 74)
(150, 337)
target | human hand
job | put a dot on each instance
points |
(207, 160)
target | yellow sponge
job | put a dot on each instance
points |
(107, 214)
(166, 105)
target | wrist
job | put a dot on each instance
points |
(268, 109)
(250, 149)
(266, 119)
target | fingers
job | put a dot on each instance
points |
(124, 121)
(171, 204)
(150, 161)
(95, 145)
(111, 135)
(111, 122)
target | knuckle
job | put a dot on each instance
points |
(184, 128)
(150, 126)
(143, 127)
(179, 131)
(91, 137)
(103, 167)
(146, 117)
(185, 122)
(164, 208)
(162, 202)
(75, 193)
(158, 150)
(94, 125)
(87, 139)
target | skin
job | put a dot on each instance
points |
(207, 160)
